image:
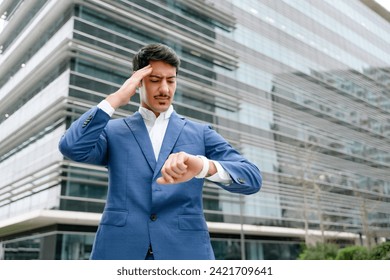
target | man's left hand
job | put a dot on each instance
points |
(180, 167)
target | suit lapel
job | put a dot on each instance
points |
(173, 131)
(137, 126)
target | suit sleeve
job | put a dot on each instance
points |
(85, 140)
(246, 177)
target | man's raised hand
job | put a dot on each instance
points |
(122, 96)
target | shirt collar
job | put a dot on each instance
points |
(150, 116)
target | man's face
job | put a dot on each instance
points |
(157, 89)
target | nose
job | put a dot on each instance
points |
(164, 87)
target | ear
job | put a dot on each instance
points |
(140, 89)
(139, 85)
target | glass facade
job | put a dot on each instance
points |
(300, 87)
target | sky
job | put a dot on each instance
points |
(384, 3)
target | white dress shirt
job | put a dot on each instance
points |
(157, 128)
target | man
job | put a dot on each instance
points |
(157, 162)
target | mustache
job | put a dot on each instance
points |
(162, 95)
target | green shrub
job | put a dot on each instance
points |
(380, 252)
(353, 253)
(330, 251)
(321, 251)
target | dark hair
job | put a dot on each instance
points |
(155, 52)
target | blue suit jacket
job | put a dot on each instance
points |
(139, 211)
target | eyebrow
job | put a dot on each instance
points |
(160, 77)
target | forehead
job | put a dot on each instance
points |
(163, 69)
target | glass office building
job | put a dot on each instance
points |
(300, 87)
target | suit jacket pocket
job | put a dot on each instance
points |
(114, 217)
(192, 222)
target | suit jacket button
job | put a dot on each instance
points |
(241, 180)
(153, 217)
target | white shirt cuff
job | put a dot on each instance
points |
(221, 176)
(106, 107)
(202, 174)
